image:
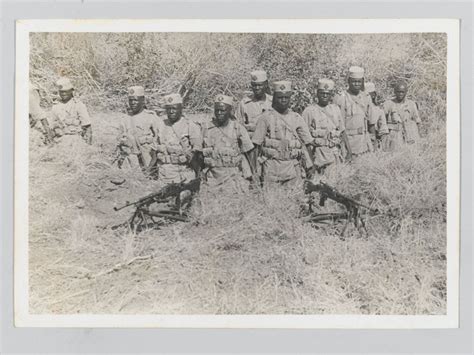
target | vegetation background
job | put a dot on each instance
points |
(240, 254)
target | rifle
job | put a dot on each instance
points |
(143, 217)
(352, 207)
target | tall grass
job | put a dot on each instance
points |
(239, 254)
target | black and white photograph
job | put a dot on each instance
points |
(237, 173)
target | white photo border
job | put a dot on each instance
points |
(21, 288)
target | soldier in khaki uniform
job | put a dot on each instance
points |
(251, 107)
(69, 115)
(403, 119)
(355, 109)
(327, 128)
(282, 139)
(38, 118)
(378, 126)
(179, 148)
(225, 144)
(139, 130)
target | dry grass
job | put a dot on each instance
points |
(241, 254)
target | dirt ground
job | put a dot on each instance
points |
(239, 254)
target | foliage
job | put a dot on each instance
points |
(103, 65)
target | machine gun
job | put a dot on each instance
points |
(144, 217)
(352, 213)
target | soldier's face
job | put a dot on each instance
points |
(258, 88)
(222, 112)
(281, 101)
(65, 95)
(136, 103)
(400, 92)
(373, 95)
(174, 111)
(324, 96)
(355, 85)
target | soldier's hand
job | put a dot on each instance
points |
(349, 157)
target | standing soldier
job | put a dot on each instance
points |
(225, 144)
(355, 109)
(70, 115)
(179, 149)
(403, 119)
(326, 126)
(138, 131)
(282, 139)
(378, 126)
(250, 108)
(38, 118)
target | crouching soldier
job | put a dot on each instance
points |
(138, 131)
(378, 125)
(69, 115)
(282, 140)
(179, 149)
(225, 144)
(326, 126)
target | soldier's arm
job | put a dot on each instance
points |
(240, 113)
(85, 122)
(307, 140)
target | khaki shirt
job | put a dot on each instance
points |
(231, 135)
(183, 132)
(140, 130)
(325, 125)
(287, 126)
(249, 110)
(378, 116)
(71, 116)
(356, 113)
(405, 113)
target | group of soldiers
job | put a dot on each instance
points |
(262, 142)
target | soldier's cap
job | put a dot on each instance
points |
(258, 76)
(173, 99)
(325, 84)
(369, 87)
(282, 86)
(223, 99)
(136, 91)
(64, 84)
(356, 72)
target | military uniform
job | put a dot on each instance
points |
(402, 121)
(355, 110)
(223, 148)
(325, 125)
(139, 132)
(377, 118)
(282, 137)
(176, 143)
(37, 115)
(250, 109)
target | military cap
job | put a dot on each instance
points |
(282, 86)
(356, 72)
(136, 91)
(64, 84)
(325, 84)
(223, 99)
(369, 87)
(173, 99)
(258, 76)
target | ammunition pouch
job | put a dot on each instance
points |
(393, 126)
(280, 149)
(170, 154)
(222, 157)
(355, 132)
